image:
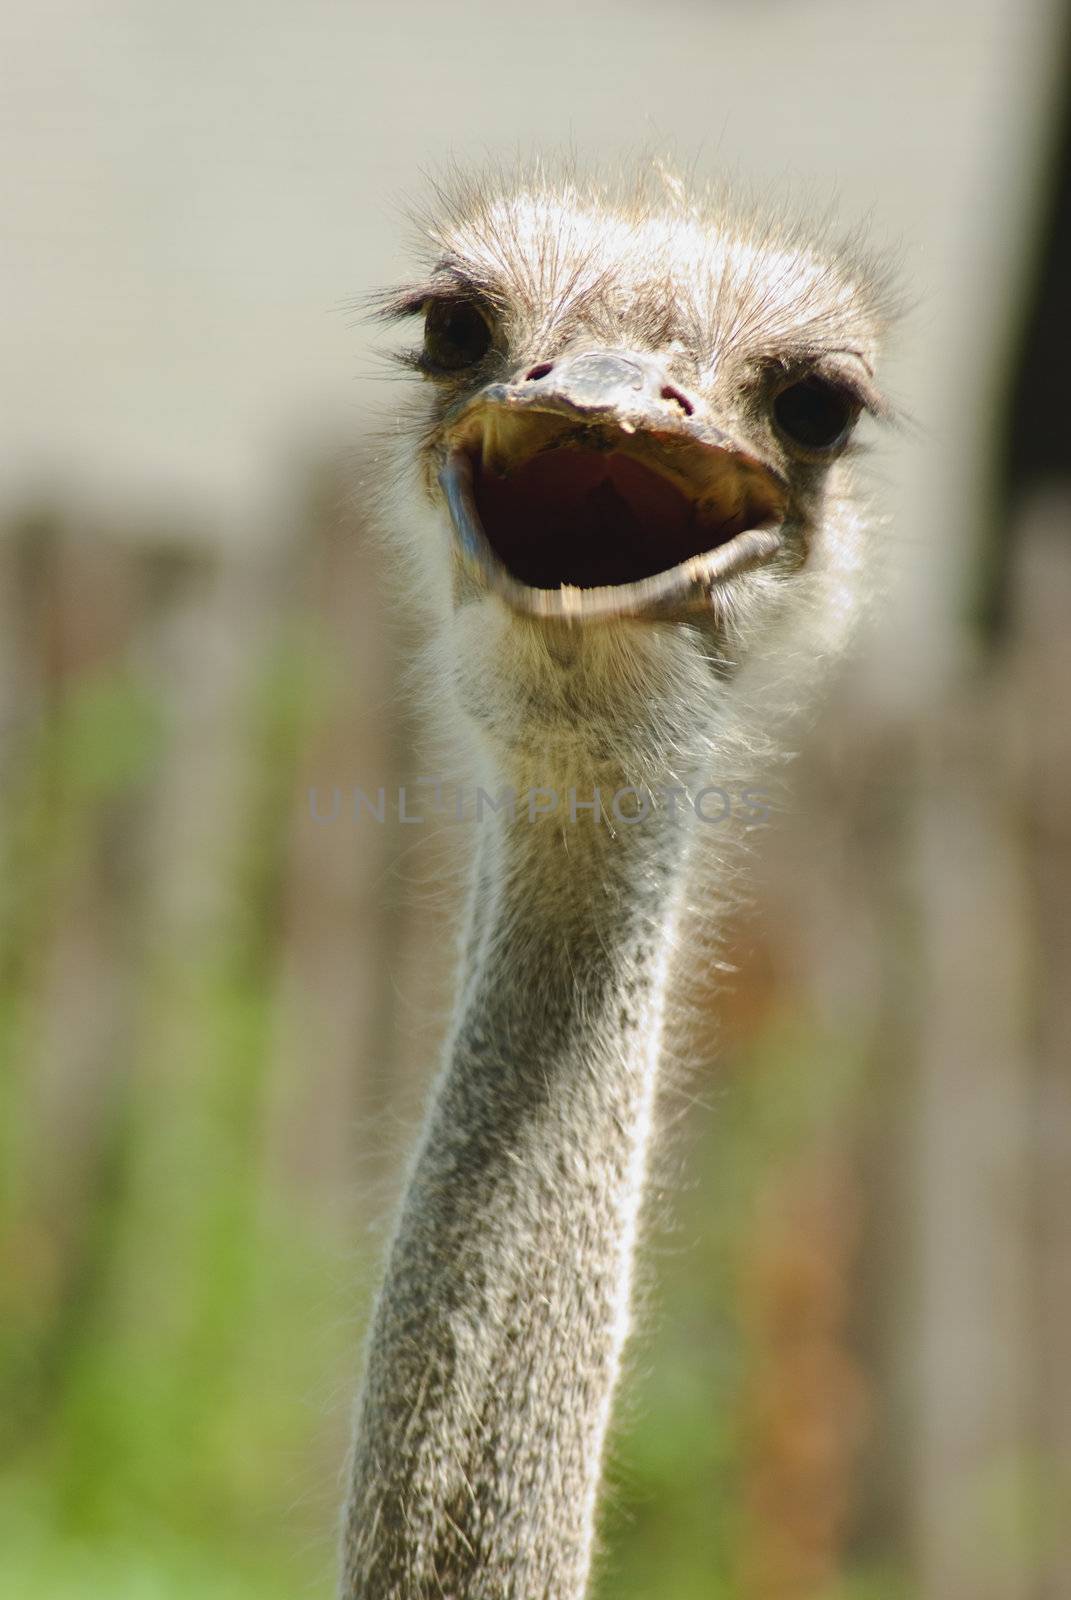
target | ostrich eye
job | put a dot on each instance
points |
(814, 414)
(456, 335)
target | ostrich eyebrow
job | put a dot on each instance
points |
(855, 378)
(448, 281)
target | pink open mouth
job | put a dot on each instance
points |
(601, 518)
(590, 518)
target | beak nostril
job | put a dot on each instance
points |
(539, 371)
(670, 392)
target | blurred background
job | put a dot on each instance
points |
(217, 1016)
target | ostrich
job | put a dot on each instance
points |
(627, 501)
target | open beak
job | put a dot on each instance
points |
(593, 489)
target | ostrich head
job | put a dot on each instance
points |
(629, 483)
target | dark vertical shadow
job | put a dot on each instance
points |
(1035, 431)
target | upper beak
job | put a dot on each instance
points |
(596, 487)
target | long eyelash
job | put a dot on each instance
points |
(863, 394)
(413, 360)
(396, 305)
(411, 300)
(417, 360)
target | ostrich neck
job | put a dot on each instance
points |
(498, 1334)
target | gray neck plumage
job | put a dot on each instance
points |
(497, 1338)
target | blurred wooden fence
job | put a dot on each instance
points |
(199, 978)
